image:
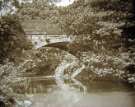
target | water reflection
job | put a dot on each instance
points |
(60, 98)
(56, 93)
(61, 76)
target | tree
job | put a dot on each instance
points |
(8, 6)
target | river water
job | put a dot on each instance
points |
(62, 91)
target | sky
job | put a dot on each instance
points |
(61, 3)
(65, 2)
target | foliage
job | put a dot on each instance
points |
(12, 37)
(8, 73)
(8, 6)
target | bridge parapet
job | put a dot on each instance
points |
(40, 39)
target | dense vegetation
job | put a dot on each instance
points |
(103, 32)
(12, 38)
(98, 26)
(13, 43)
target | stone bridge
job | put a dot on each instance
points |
(40, 39)
(63, 42)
